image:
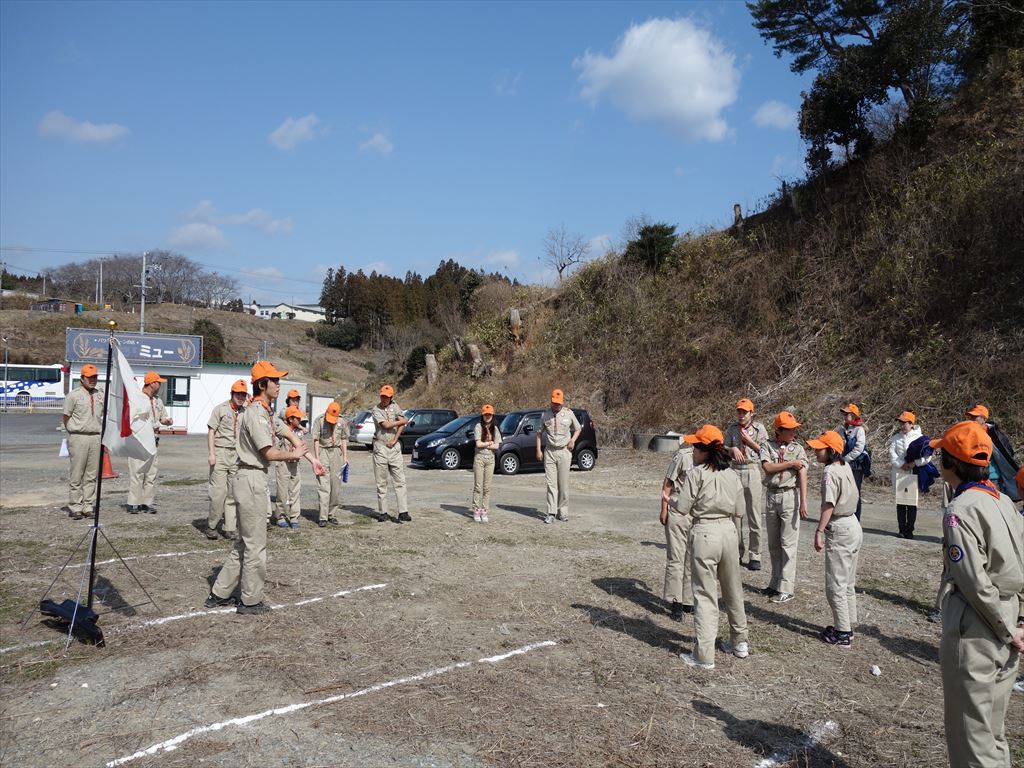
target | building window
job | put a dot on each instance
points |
(176, 391)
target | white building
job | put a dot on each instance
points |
(309, 313)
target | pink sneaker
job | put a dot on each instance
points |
(477, 515)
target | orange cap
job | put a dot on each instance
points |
(979, 410)
(786, 420)
(487, 409)
(152, 376)
(706, 435)
(907, 416)
(387, 390)
(332, 413)
(264, 370)
(745, 405)
(294, 412)
(967, 441)
(89, 370)
(293, 393)
(557, 396)
(850, 408)
(828, 439)
(240, 386)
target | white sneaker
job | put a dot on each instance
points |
(1019, 685)
(689, 660)
(476, 515)
(740, 650)
(483, 516)
(549, 519)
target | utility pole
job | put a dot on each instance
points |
(99, 300)
(142, 287)
(266, 349)
(6, 348)
(3, 269)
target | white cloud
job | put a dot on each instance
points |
(256, 218)
(666, 71)
(775, 114)
(293, 132)
(599, 245)
(507, 259)
(380, 267)
(378, 143)
(60, 126)
(506, 82)
(199, 235)
(269, 272)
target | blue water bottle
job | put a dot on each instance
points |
(344, 473)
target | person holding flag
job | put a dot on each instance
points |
(142, 474)
(83, 408)
(221, 438)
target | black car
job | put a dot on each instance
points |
(450, 447)
(519, 442)
(423, 421)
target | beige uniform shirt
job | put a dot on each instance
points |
(709, 494)
(84, 410)
(983, 539)
(755, 432)
(281, 431)
(328, 436)
(478, 432)
(224, 422)
(839, 489)
(559, 426)
(255, 433)
(379, 414)
(156, 412)
(774, 452)
(678, 468)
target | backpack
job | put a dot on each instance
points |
(1002, 457)
(862, 463)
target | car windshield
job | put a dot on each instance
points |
(509, 423)
(456, 425)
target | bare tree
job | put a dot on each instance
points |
(563, 250)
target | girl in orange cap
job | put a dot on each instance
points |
(855, 447)
(907, 432)
(840, 535)
(488, 440)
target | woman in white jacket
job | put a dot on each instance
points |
(907, 432)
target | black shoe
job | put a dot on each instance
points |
(404, 518)
(219, 602)
(132, 509)
(211, 534)
(908, 535)
(754, 565)
(333, 521)
(382, 518)
(771, 591)
(143, 508)
(676, 611)
(151, 510)
(255, 610)
(76, 515)
(687, 608)
(322, 523)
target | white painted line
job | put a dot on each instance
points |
(162, 554)
(174, 743)
(197, 614)
(820, 730)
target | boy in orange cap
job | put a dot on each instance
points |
(389, 422)
(785, 465)
(142, 474)
(330, 446)
(83, 408)
(562, 429)
(744, 440)
(677, 590)
(221, 441)
(983, 602)
(288, 478)
(840, 535)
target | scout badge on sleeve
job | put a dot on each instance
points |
(955, 554)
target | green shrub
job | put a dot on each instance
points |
(340, 335)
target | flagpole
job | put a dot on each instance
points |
(112, 325)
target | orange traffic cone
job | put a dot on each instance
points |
(108, 471)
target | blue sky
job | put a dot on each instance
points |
(286, 138)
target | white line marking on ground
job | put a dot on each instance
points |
(162, 554)
(197, 614)
(820, 730)
(172, 744)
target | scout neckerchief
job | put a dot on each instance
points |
(985, 486)
(234, 415)
(92, 402)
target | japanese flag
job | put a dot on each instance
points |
(128, 431)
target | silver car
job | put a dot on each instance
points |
(360, 429)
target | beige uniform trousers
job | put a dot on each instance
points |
(483, 471)
(843, 538)
(247, 563)
(328, 487)
(289, 490)
(783, 517)
(142, 480)
(713, 562)
(85, 467)
(678, 585)
(749, 526)
(388, 462)
(556, 475)
(222, 494)
(978, 672)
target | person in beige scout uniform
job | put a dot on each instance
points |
(288, 479)
(678, 588)
(387, 454)
(142, 474)
(246, 566)
(488, 440)
(744, 440)
(563, 430)
(713, 496)
(221, 439)
(840, 535)
(785, 465)
(83, 409)
(983, 602)
(330, 446)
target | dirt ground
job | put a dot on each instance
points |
(414, 667)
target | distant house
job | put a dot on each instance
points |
(58, 306)
(309, 313)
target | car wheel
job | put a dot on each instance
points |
(509, 464)
(586, 460)
(22, 399)
(450, 459)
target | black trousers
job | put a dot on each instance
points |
(858, 478)
(906, 516)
